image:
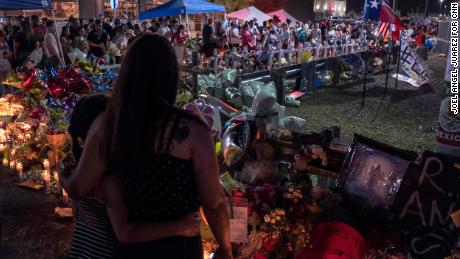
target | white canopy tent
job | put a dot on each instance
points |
(248, 14)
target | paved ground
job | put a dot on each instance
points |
(28, 226)
(404, 118)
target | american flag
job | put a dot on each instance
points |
(389, 22)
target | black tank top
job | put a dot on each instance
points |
(165, 192)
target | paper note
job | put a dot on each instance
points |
(238, 230)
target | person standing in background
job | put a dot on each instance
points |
(209, 38)
(179, 40)
(66, 43)
(24, 43)
(97, 39)
(38, 30)
(51, 48)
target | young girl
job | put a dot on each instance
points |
(93, 235)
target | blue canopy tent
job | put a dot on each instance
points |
(179, 7)
(24, 4)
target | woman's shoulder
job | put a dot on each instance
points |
(187, 119)
(97, 129)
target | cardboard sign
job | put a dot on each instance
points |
(334, 240)
(428, 197)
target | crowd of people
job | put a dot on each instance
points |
(25, 40)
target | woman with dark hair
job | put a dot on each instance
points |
(24, 43)
(80, 39)
(66, 43)
(156, 162)
(90, 212)
(179, 40)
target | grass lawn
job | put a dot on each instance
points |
(405, 117)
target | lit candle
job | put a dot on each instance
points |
(19, 168)
(5, 162)
(46, 180)
(12, 165)
(56, 178)
(65, 197)
(46, 164)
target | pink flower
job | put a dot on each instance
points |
(202, 110)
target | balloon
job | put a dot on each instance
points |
(68, 103)
(101, 89)
(69, 72)
(78, 86)
(76, 55)
(223, 108)
(53, 103)
(247, 94)
(201, 109)
(44, 75)
(229, 77)
(292, 123)
(29, 80)
(231, 93)
(53, 72)
(55, 88)
(264, 100)
(235, 142)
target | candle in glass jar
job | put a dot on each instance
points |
(5, 162)
(56, 178)
(46, 164)
(65, 197)
(46, 180)
(12, 165)
(19, 168)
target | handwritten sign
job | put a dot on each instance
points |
(334, 240)
(425, 205)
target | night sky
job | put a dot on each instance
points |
(404, 5)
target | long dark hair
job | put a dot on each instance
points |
(141, 103)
